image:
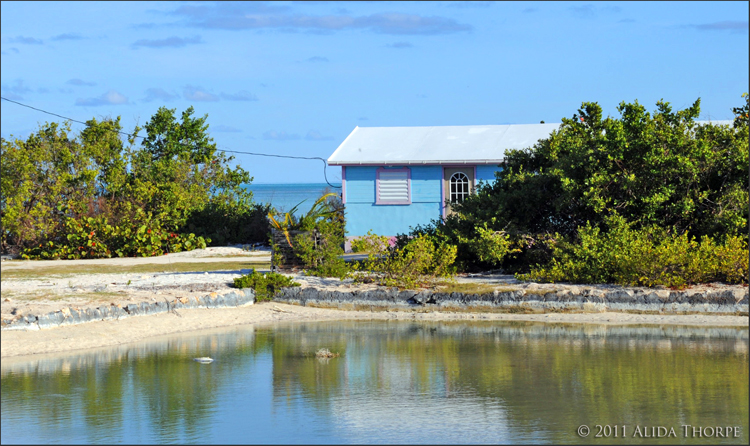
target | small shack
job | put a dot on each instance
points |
(394, 178)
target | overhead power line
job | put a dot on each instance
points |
(325, 163)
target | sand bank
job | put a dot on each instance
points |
(133, 329)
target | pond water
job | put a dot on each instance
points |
(394, 382)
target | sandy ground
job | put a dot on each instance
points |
(51, 293)
(110, 287)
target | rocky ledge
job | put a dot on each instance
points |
(731, 300)
(505, 297)
(71, 316)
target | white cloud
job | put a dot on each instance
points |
(314, 135)
(238, 16)
(239, 96)
(198, 94)
(68, 36)
(726, 25)
(280, 136)
(16, 91)
(111, 97)
(400, 45)
(159, 94)
(25, 40)
(169, 42)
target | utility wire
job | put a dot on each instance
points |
(325, 163)
(65, 117)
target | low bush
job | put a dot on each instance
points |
(417, 262)
(479, 246)
(647, 257)
(94, 237)
(315, 239)
(370, 243)
(230, 223)
(320, 250)
(265, 285)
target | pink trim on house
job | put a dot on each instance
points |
(343, 184)
(453, 164)
(442, 192)
(380, 170)
(442, 182)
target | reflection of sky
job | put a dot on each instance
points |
(377, 396)
(400, 413)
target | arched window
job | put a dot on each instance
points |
(459, 187)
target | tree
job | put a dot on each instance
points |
(179, 170)
(662, 169)
(176, 179)
(51, 175)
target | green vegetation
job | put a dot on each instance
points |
(648, 199)
(651, 256)
(410, 263)
(14, 271)
(95, 195)
(264, 285)
(315, 239)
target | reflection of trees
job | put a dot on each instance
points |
(177, 393)
(297, 370)
(545, 379)
(549, 378)
(52, 395)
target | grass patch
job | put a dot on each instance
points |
(63, 271)
(54, 297)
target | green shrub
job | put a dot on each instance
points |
(265, 285)
(320, 249)
(649, 256)
(230, 223)
(488, 246)
(418, 262)
(94, 237)
(370, 243)
(316, 238)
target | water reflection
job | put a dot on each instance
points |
(396, 382)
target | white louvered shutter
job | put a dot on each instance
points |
(394, 186)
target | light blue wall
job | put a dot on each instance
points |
(388, 219)
(363, 215)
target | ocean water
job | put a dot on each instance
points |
(287, 195)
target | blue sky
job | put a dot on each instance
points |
(294, 78)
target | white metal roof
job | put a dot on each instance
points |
(465, 144)
(436, 145)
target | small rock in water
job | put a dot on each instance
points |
(204, 360)
(325, 353)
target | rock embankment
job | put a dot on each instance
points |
(70, 316)
(502, 298)
(732, 300)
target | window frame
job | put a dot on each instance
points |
(466, 181)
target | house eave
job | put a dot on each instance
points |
(412, 163)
